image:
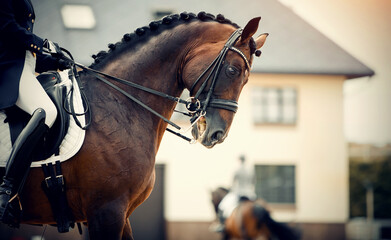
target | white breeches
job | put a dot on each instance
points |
(31, 93)
(228, 204)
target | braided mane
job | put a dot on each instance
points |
(168, 22)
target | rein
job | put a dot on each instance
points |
(195, 107)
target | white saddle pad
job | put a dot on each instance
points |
(72, 142)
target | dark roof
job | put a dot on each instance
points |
(294, 46)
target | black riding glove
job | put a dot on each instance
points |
(64, 64)
(51, 47)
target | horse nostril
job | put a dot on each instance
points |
(218, 135)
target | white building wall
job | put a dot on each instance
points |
(315, 145)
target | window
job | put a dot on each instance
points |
(160, 13)
(276, 183)
(78, 16)
(274, 105)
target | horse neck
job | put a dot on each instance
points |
(155, 64)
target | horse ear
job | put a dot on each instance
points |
(250, 29)
(261, 39)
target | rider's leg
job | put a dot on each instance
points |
(218, 226)
(20, 161)
(225, 209)
(34, 100)
(31, 93)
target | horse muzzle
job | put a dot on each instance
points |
(207, 133)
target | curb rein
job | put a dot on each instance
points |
(196, 108)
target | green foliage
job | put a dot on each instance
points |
(377, 173)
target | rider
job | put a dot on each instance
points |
(21, 55)
(243, 188)
(244, 181)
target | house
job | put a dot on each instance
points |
(289, 123)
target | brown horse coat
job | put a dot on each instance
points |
(114, 171)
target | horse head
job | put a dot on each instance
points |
(215, 72)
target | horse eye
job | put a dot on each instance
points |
(232, 71)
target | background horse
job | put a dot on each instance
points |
(114, 172)
(251, 220)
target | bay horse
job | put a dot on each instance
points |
(251, 220)
(114, 172)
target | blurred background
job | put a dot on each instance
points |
(314, 120)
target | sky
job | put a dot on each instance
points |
(362, 28)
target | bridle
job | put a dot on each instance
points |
(216, 66)
(196, 107)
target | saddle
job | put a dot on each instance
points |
(64, 91)
(17, 119)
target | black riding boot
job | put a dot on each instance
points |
(18, 165)
(220, 227)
